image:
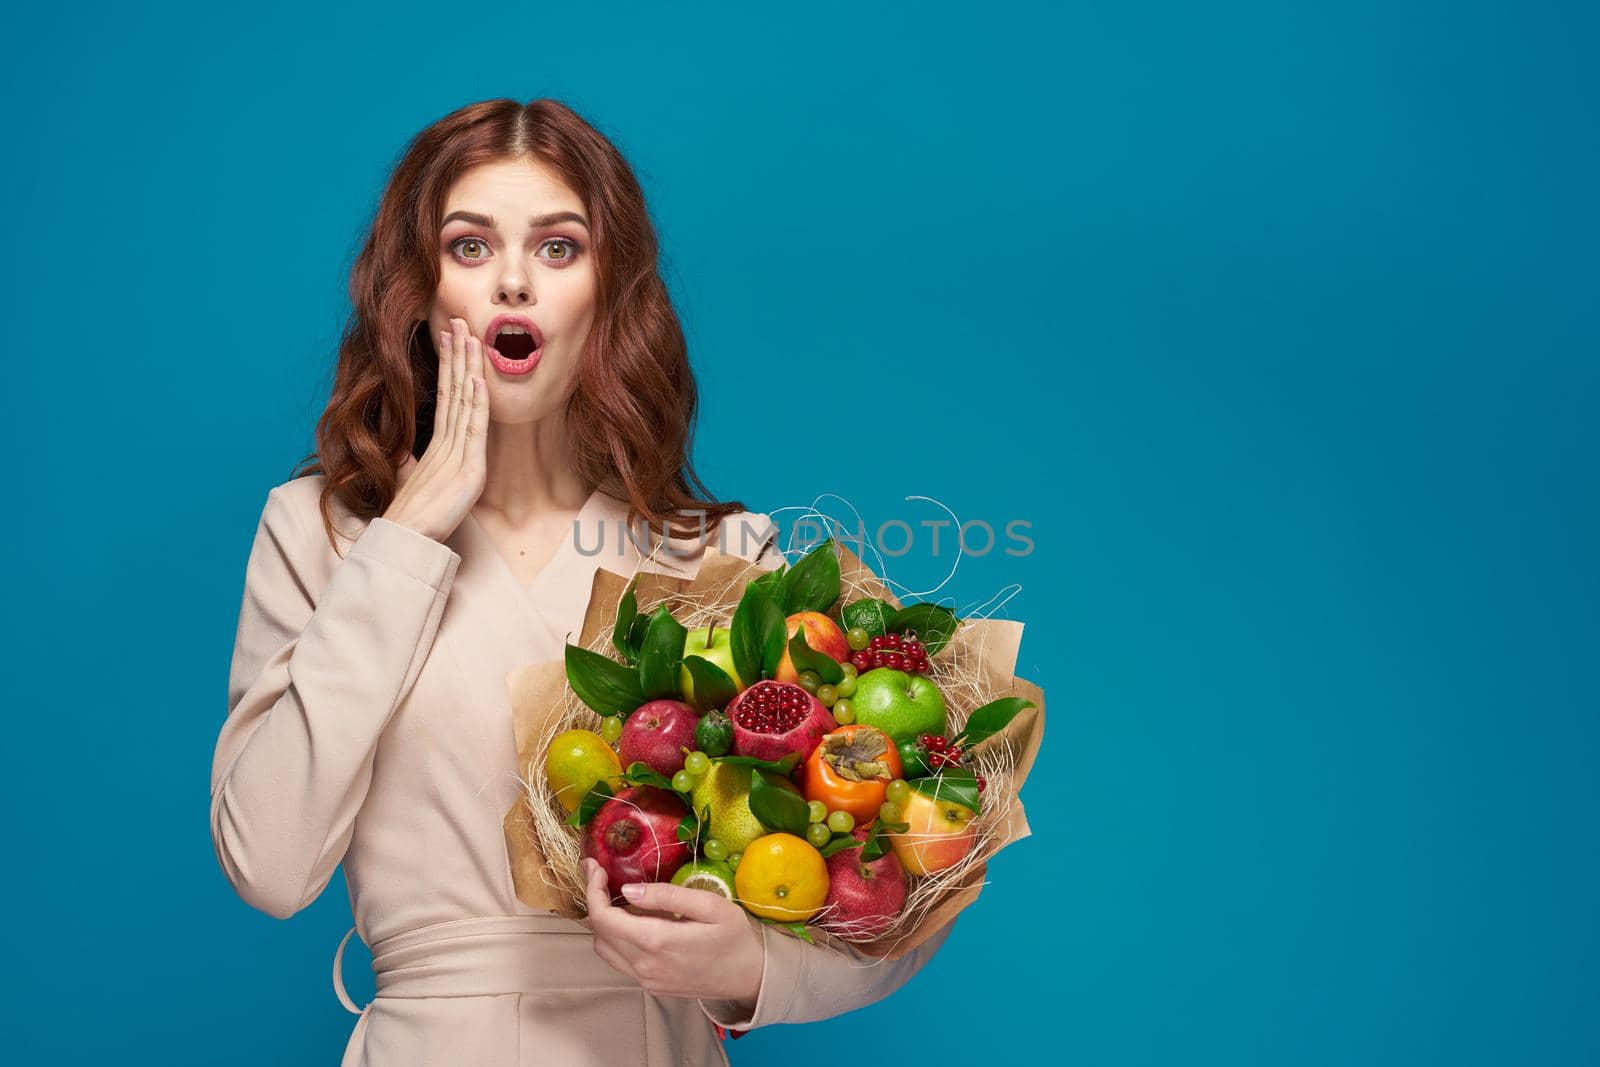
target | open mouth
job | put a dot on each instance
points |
(514, 346)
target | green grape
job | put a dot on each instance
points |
(846, 686)
(889, 811)
(611, 728)
(733, 860)
(697, 763)
(818, 833)
(826, 695)
(899, 791)
(858, 639)
(810, 681)
(714, 849)
(841, 822)
(683, 781)
(816, 811)
(844, 713)
(849, 671)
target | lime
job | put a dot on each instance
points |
(868, 614)
(575, 761)
(706, 874)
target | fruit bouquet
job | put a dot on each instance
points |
(795, 739)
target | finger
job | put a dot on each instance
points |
(474, 369)
(617, 960)
(458, 374)
(597, 895)
(478, 427)
(442, 389)
(695, 904)
(441, 396)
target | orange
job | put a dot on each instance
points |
(782, 877)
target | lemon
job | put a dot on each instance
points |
(782, 877)
(706, 874)
(575, 761)
(725, 789)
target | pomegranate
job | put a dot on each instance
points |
(657, 733)
(863, 898)
(634, 836)
(772, 719)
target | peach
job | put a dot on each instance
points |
(822, 634)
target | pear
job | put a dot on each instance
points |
(725, 789)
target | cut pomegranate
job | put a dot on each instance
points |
(772, 719)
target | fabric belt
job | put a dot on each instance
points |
(485, 956)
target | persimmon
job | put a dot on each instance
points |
(850, 769)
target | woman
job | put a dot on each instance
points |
(511, 391)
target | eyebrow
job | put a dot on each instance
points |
(536, 223)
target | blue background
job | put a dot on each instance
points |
(1276, 322)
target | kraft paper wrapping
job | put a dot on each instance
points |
(538, 692)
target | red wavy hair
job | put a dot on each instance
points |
(632, 411)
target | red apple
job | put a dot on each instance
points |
(657, 733)
(939, 834)
(863, 898)
(822, 635)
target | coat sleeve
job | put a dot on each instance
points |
(315, 677)
(802, 983)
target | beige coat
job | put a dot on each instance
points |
(369, 722)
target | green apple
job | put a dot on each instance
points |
(900, 704)
(714, 645)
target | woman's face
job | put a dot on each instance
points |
(497, 268)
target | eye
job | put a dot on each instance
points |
(460, 247)
(571, 246)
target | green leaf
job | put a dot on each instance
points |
(597, 795)
(989, 720)
(838, 843)
(956, 784)
(641, 773)
(757, 623)
(712, 686)
(622, 631)
(934, 624)
(661, 656)
(806, 658)
(813, 582)
(877, 842)
(609, 687)
(641, 623)
(784, 767)
(797, 929)
(689, 825)
(776, 807)
(774, 583)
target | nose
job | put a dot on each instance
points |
(514, 286)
